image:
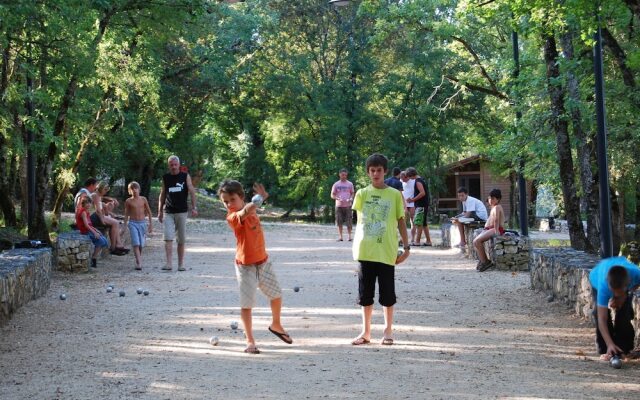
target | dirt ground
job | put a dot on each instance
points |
(459, 334)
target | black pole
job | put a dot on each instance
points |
(522, 183)
(31, 170)
(606, 247)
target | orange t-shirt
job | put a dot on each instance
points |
(250, 248)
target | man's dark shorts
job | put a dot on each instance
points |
(343, 216)
(368, 273)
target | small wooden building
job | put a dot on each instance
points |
(476, 175)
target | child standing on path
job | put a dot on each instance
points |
(136, 208)
(380, 212)
(253, 268)
(493, 227)
(83, 222)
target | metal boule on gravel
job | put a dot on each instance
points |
(550, 298)
(616, 362)
(122, 293)
(400, 252)
(146, 292)
(109, 289)
(234, 325)
(214, 340)
(139, 290)
(63, 296)
(296, 289)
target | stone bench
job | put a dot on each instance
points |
(451, 234)
(508, 252)
(563, 274)
(73, 252)
(25, 274)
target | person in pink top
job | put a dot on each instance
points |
(342, 192)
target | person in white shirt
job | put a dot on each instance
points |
(471, 208)
(408, 187)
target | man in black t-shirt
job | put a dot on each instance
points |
(421, 200)
(173, 209)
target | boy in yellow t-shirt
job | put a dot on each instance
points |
(380, 212)
(253, 268)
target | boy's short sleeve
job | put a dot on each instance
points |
(357, 201)
(233, 219)
(399, 207)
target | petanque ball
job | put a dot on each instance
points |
(257, 200)
(214, 340)
(109, 289)
(616, 362)
(296, 289)
(122, 293)
(400, 253)
(146, 292)
(63, 296)
(234, 325)
(139, 290)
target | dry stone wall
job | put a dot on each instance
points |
(563, 274)
(73, 252)
(25, 274)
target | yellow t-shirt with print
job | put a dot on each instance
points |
(376, 237)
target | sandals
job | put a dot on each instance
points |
(359, 341)
(282, 335)
(252, 349)
(387, 341)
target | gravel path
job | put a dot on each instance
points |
(459, 334)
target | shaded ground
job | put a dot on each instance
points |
(459, 334)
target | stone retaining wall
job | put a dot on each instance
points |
(510, 252)
(25, 274)
(73, 252)
(563, 274)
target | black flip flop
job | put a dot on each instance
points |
(283, 336)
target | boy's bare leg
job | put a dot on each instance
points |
(340, 232)
(427, 235)
(349, 231)
(366, 322)
(388, 321)
(276, 308)
(137, 252)
(461, 229)
(168, 250)
(418, 234)
(180, 254)
(478, 243)
(245, 315)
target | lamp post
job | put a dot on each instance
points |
(522, 183)
(606, 248)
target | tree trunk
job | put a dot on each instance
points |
(584, 143)
(617, 220)
(565, 159)
(634, 6)
(637, 230)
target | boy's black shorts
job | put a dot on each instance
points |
(368, 273)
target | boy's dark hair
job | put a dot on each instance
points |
(411, 172)
(463, 189)
(496, 193)
(90, 181)
(231, 186)
(618, 278)
(396, 171)
(343, 170)
(377, 160)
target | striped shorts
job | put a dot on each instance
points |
(253, 277)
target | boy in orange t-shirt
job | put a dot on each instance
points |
(253, 268)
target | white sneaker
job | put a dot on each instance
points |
(167, 268)
(181, 268)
